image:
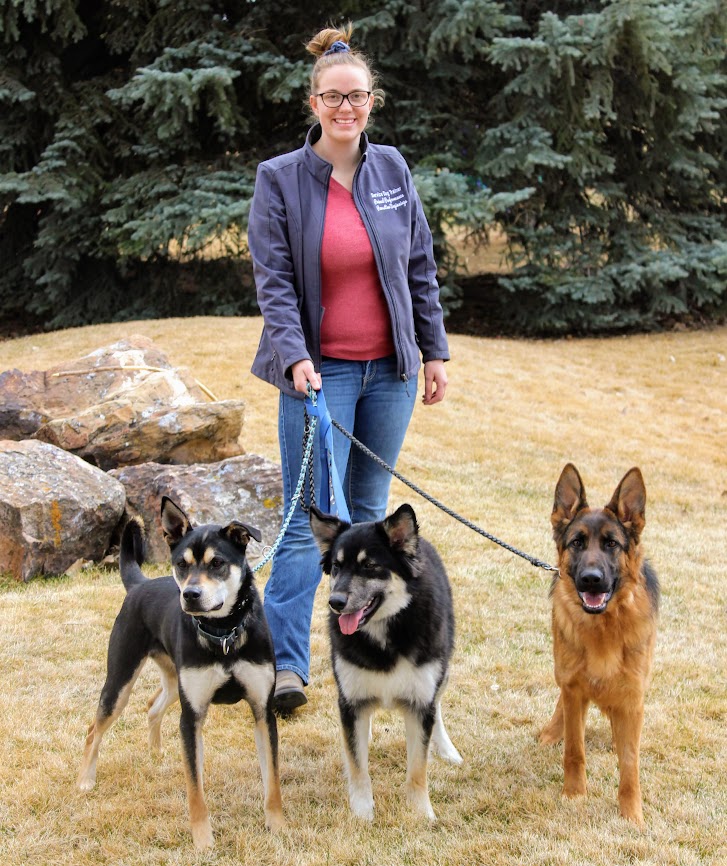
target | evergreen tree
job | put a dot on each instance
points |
(129, 136)
(593, 132)
(614, 116)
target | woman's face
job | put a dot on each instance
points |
(344, 124)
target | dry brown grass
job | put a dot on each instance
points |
(515, 413)
(481, 258)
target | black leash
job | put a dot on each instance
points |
(538, 563)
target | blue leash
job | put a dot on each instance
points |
(332, 501)
(335, 501)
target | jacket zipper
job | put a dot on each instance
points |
(318, 361)
(376, 246)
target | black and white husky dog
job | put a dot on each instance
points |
(391, 626)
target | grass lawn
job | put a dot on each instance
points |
(516, 412)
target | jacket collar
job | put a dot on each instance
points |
(321, 168)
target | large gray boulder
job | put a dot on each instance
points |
(121, 405)
(125, 432)
(22, 403)
(55, 509)
(247, 488)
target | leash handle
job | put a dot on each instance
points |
(333, 500)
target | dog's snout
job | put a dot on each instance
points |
(337, 600)
(192, 593)
(590, 578)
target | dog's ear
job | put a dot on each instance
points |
(240, 533)
(570, 498)
(403, 530)
(175, 523)
(325, 528)
(628, 502)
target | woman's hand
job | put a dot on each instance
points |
(435, 382)
(303, 373)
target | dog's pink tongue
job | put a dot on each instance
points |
(593, 599)
(348, 622)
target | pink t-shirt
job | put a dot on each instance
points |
(356, 324)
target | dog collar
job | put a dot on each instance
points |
(224, 639)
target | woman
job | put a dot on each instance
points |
(346, 283)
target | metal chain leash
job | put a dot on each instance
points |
(538, 563)
(308, 439)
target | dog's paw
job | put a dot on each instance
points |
(573, 790)
(634, 813)
(549, 736)
(443, 747)
(554, 731)
(362, 807)
(274, 821)
(419, 801)
(202, 836)
(86, 779)
(449, 754)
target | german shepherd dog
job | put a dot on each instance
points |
(605, 605)
(391, 626)
(206, 630)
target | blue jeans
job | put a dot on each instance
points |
(368, 399)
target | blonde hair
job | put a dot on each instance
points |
(322, 42)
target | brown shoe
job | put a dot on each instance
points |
(289, 694)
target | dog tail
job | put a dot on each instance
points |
(131, 553)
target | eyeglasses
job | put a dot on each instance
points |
(356, 98)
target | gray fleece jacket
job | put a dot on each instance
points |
(285, 233)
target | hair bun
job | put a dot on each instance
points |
(325, 40)
(337, 46)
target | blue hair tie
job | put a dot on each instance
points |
(337, 46)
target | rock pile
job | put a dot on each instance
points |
(85, 444)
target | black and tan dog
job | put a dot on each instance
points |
(605, 604)
(391, 627)
(206, 630)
